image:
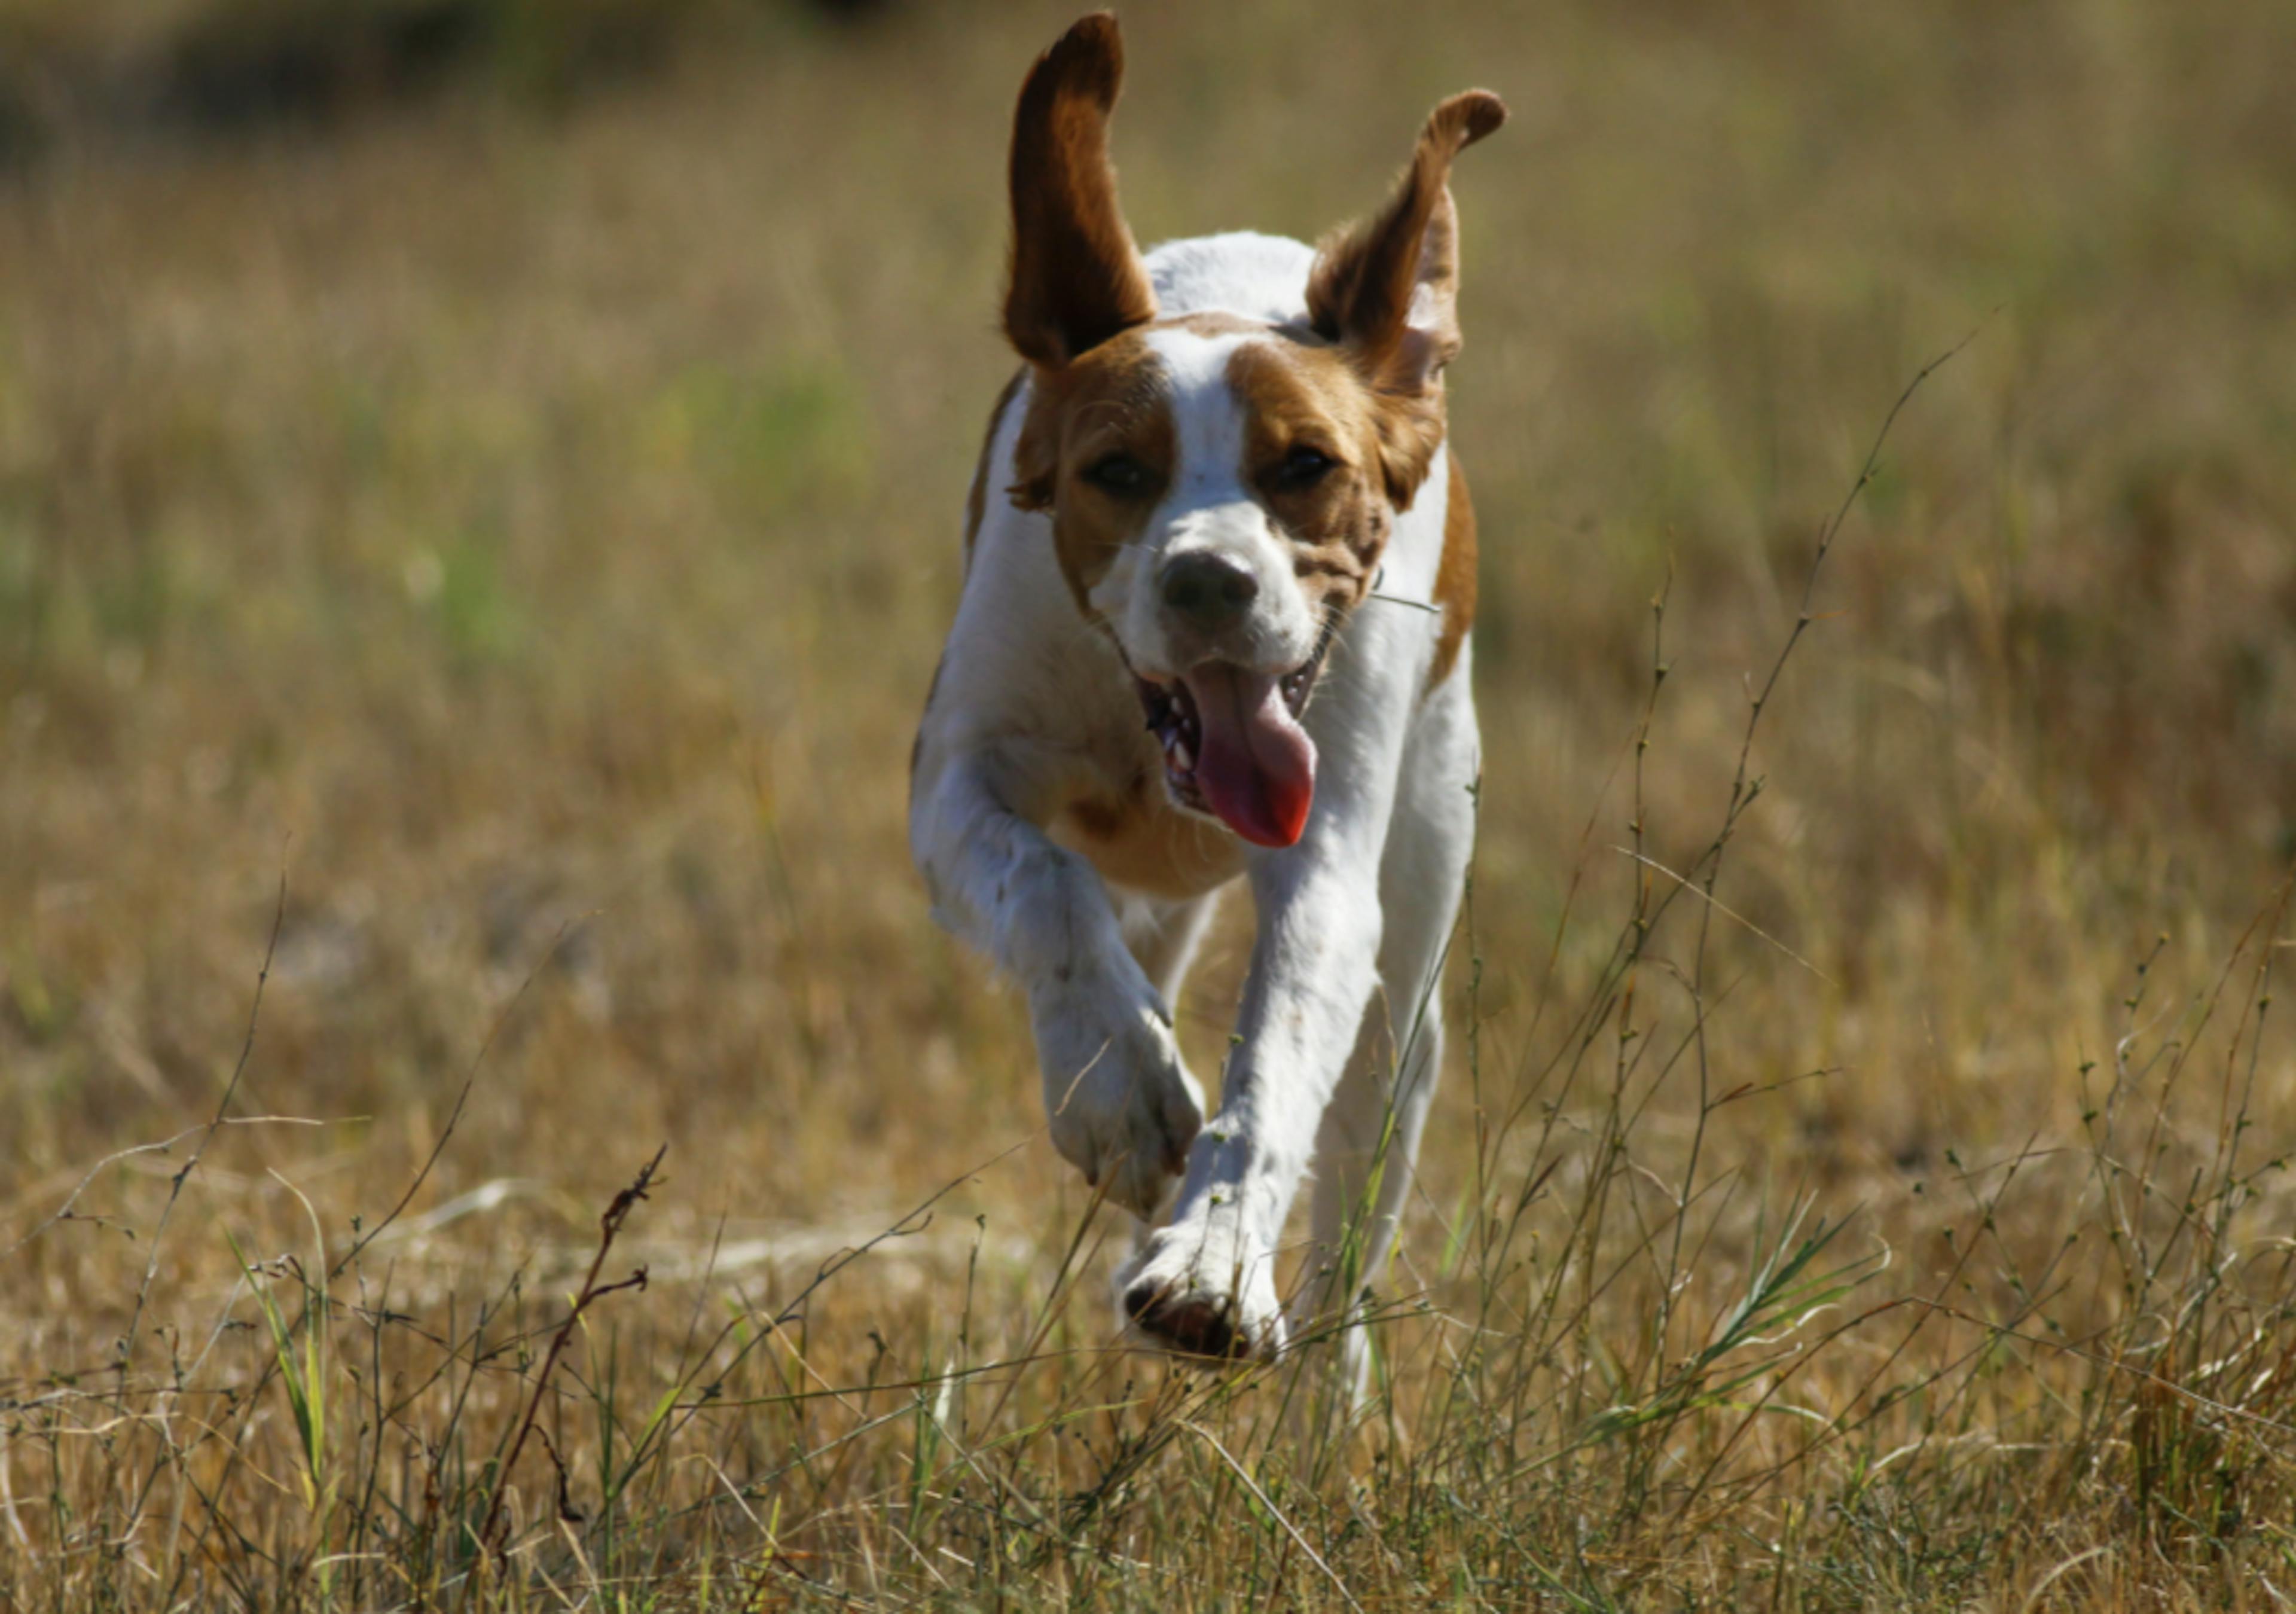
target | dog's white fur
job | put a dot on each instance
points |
(1339, 1036)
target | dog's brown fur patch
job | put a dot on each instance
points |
(1292, 394)
(1142, 842)
(1114, 399)
(1455, 578)
(976, 497)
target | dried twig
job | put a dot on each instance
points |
(66, 1213)
(592, 1291)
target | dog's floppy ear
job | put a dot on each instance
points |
(1077, 278)
(1387, 286)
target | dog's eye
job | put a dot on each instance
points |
(1303, 467)
(1121, 475)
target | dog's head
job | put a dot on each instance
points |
(1221, 488)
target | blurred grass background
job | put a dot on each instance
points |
(500, 464)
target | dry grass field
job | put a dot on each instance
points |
(471, 556)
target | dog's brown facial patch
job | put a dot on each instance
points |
(1312, 457)
(1097, 450)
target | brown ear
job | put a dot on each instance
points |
(1387, 286)
(1077, 278)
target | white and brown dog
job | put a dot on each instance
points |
(1216, 496)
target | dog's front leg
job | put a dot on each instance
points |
(1122, 1106)
(1206, 1284)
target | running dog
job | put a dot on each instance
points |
(1219, 576)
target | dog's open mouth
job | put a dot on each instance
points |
(1233, 745)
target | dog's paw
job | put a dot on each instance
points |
(1205, 1287)
(1124, 1109)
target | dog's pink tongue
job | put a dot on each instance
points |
(1255, 765)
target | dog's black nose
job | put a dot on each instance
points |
(1207, 589)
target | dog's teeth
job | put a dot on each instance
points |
(1180, 756)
